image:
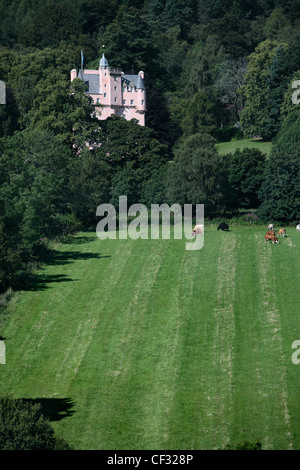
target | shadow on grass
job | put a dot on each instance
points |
(40, 282)
(55, 258)
(55, 409)
(24, 280)
(78, 240)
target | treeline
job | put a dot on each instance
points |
(213, 70)
(209, 65)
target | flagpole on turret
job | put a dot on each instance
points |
(81, 68)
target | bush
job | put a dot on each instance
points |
(23, 427)
(225, 134)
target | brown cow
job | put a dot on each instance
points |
(281, 232)
(271, 232)
(271, 238)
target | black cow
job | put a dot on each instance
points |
(223, 227)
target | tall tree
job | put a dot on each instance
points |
(128, 42)
(35, 184)
(245, 170)
(196, 174)
(201, 114)
(230, 79)
(168, 13)
(280, 192)
(254, 115)
(52, 23)
(276, 86)
(65, 110)
(277, 25)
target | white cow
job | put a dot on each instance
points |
(298, 228)
(270, 227)
(198, 229)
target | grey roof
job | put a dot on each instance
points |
(92, 80)
(137, 80)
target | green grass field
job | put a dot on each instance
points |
(227, 147)
(140, 344)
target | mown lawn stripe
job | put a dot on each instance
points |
(163, 348)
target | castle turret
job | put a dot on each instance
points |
(73, 74)
(103, 62)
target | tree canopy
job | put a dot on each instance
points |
(280, 191)
(213, 70)
(23, 427)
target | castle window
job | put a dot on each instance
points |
(124, 101)
(142, 101)
(98, 100)
(131, 101)
(104, 95)
(115, 100)
(115, 87)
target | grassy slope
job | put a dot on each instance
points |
(227, 147)
(163, 348)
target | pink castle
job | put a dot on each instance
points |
(118, 93)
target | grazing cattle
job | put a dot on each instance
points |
(270, 227)
(198, 229)
(271, 238)
(298, 228)
(223, 227)
(281, 232)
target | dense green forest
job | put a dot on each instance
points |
(214, 70)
